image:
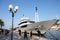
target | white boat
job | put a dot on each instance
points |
(28, 25)
(24, 22)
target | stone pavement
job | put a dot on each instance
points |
(39, 38)
(17, 37)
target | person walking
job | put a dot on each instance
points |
(39, 33)
(6, 32)
(25, 35)
(31, 34)
(19, 32)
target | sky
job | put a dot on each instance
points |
(47, 10)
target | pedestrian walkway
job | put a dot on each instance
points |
(38, 38)
(17, 37)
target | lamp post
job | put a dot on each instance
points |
(15, 10)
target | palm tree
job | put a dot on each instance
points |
(1, 24)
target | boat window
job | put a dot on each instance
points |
(23, 22)
(23, 26)
(32, 21)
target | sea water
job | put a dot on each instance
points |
(53, 34)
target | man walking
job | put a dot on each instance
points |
(19, 32)
(39, 33)
(25, 35)
(31, 34)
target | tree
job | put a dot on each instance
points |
(1, 23)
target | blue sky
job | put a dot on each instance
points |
(47, 9)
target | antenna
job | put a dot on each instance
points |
(36, 9)
(36, 15)
(23, 15)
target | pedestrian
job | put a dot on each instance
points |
(25, 35)
(2, 30)
(5, 32)
(31, 34)
(19, 32)
(39, 33)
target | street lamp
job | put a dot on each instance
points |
(15, 10)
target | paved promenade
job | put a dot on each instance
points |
(17, 37)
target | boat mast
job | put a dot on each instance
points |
(36, 15)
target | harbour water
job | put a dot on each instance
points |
(53, 34)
